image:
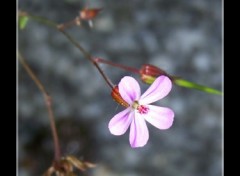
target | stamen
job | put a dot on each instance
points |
(142, 109)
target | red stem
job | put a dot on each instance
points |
(48, 102)
(131, 69)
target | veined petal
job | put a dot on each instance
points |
(159, 89)
(138, 136)
(159, 117)
(129, 89)
(119, 124)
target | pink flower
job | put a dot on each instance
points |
(139, 110)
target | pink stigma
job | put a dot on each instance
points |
(142, 109)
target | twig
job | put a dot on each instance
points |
(131, 69)
(48, 102)
(86, 54)
(89, 57)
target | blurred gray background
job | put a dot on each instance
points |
(182, 37)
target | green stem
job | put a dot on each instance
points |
(191, 85)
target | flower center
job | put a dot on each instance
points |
(142, 109)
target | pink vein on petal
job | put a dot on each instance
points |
(139, 135)
(119, 124)
(158, 90)
(129, 89)
(160, 117)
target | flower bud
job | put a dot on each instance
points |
(149, 73)
(89, 14)
(117, 97)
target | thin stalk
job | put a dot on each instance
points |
(131, 69)
(86, 54)
(48, 102)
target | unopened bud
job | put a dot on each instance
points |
(150, 72)
(117, 97)
(89, 14)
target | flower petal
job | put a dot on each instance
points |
(119, 124)
(159, 89)
(138, 132)
(129, 89)
(159, 117)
